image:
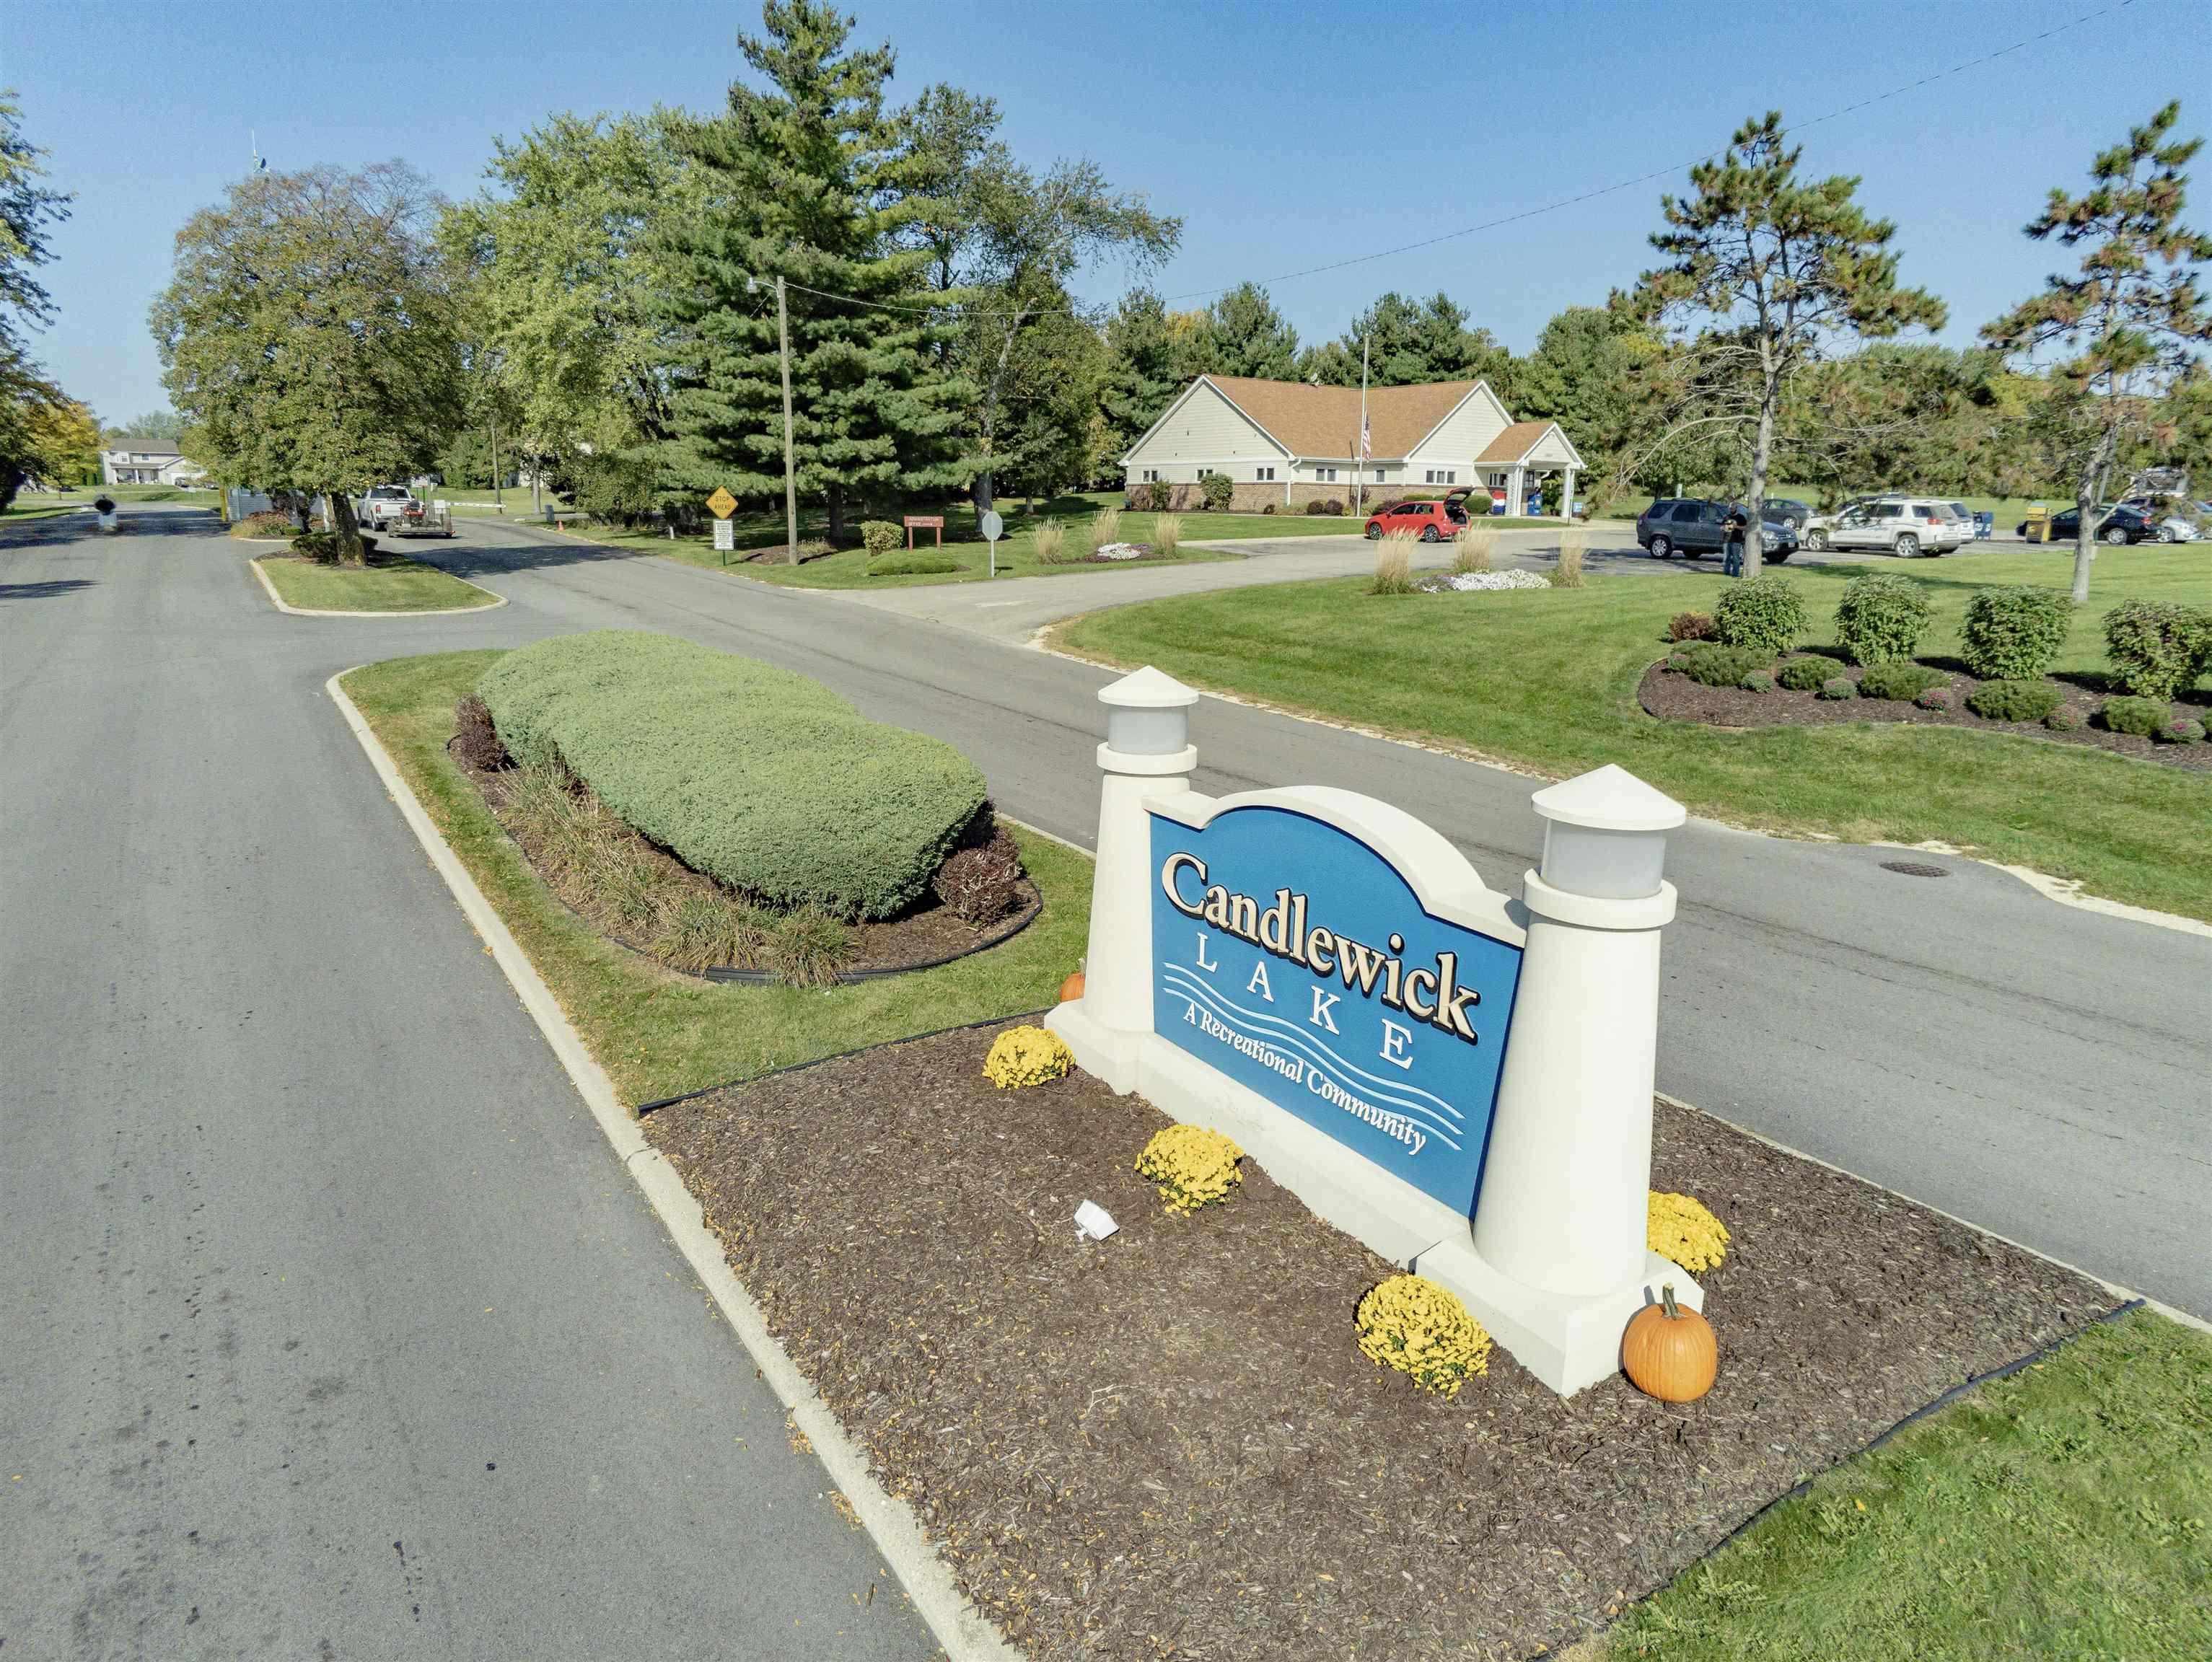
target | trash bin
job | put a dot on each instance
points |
(1985, 525)
(2038, 528)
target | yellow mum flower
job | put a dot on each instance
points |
(1026, 1056)
(1193, 1166)
(1680, 1229)
(1421, 1329)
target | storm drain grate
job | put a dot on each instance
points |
(1915, 869)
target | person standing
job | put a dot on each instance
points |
(1732, 531)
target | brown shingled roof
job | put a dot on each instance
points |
(1324, 420)
(1514, 442)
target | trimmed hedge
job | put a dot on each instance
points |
(762, 779)
(1762, 613)
(1880, 619)
(2158, 649)
(2015, 700)
(916, 564)
(1805, 675)
(1894, 678)
(2014, 633)
(1838, 686)
(1725, 666)
(880, 536)
(2140, 716)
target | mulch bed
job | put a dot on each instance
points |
(930, 934)
(1167, 1445)
(1677, 698)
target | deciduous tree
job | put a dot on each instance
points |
(28, 210)
(306, 334)
(2128, 322)
(1765, 273)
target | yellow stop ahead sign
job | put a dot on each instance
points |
(722, 503)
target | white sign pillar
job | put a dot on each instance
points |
(1559, 1259)
(1147, 753)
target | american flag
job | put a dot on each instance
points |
(1364, 450)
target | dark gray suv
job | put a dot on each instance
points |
(1697, 525)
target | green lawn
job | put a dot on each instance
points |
(84, 495)
(391, 583)
(659, 1033)
(1548, 679)
(2063, 1512)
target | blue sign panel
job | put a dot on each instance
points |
(1290, 957)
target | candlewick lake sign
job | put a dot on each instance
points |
(1290, 955)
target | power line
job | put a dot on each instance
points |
(1552, 206)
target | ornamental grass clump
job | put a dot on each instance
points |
(1473, 546)
(1167, 535)
(1393, 565)
(2015, 633)
(1026, 1056)
(1763, 613)
(1680, 1228)
(1048, 543)
(1105, 527)
(1880, 619)
(1421, 1329)
(1568, 574)
(764, 780)
(1194, 1167)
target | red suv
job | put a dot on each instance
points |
(1432, 522)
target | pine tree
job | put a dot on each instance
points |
(1245, 335)
(803, 178)
(1144, 372)
(2130, 319)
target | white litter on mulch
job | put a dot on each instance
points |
(1466, 582)
(1122, 550)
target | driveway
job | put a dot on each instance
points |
(330, 1327)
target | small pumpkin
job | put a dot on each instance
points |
(1072, 988)
(1668, 1352)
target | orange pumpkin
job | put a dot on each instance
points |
(1072, 988)
(1669, 1351)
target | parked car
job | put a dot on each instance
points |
(1788, 510)
(381, 503)
(1429, 521)
(1698, 526)
(2118, 523)
(1906, 526)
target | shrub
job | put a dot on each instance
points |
(1105, 527)
(1758, 680)
(1682, 1231)
(2182, 730)
(1936, 698)
(2140, 716)
(1159, 496)
(1761, 612)
(476, 741)
(2158, 649)
(880, 535)
(1217, 489)
(806, 948)
(917, 564)
(698, 931)
(762, 778)
(1048, 543)
(1568, 574)
(1393, 565)
(1690, 626)
(1471, 548)
(1837, 688)
(1167, 535)
(1421, 1329)
(269, 522)
(1267, 507)
(1880, 619)
(1680, 663)
(1896, 678)
(1804, 675)
(2014, 700)
(2063, 720)
(1725, 666)
(1316, 508)
(1334, 507)
(1026, 1056)
(982, 882)
(1194, 1167)
(2014, 633)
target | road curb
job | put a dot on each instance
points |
(957, 1625)
(277, 601)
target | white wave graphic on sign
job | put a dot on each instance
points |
(1442, 1120)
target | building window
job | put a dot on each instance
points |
(1442, 477)
(1151, 474)
(1326, 475)
(1263, 474)
(1378, 475)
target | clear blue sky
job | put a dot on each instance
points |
(1285, 136)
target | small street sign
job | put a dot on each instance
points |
(726, 536)
(722, 503)
(993, 528)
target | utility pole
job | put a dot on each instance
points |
(1359, 472)
(790, 488)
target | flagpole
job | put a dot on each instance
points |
(1359, 493)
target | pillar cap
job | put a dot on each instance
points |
(1147, 688)
(1609, 798)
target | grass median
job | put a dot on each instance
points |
(389, 583)
(659, 1033)
(1546, 679)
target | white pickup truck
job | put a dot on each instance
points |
(381, 504)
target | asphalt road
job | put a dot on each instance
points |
(330, 1327)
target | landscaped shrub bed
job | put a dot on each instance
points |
(1173, 1431)
(764, 780)
(1687, 686)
